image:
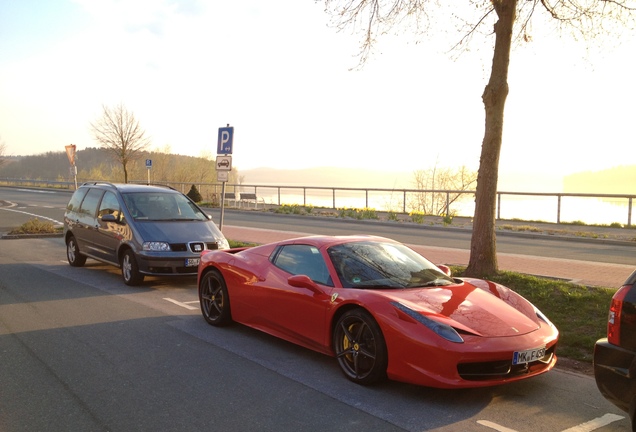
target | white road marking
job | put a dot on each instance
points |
(182, 304)
(596, 423)
(590, 426)
(36, 191)
(34, 215)
(494, 426)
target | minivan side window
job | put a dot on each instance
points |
(76, 200)
(89, 205)
(109, 205)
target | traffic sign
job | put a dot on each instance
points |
(148, 163)
(224, 143)
(224, 163)
(70, 152)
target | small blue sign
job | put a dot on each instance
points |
(226, 137)
(148, 163)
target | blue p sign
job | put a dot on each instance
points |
(224, 144)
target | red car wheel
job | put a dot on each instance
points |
(214, 299)
(360, 348)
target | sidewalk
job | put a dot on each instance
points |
(581, 272)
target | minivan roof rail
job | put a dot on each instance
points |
(88, 183)
(97, 182)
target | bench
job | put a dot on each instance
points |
(248, 198)
(230, 196)
(241, 198)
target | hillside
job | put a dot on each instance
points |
(618, 180)
(94, 163)
(329, 177)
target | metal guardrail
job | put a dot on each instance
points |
(396, 200)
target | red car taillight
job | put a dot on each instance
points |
(614, 318)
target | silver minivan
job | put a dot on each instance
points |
(143, 229)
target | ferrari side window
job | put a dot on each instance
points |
(303, 260)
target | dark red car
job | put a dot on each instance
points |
(615, 356)
(381, 309)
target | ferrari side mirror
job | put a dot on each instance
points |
(302, 281)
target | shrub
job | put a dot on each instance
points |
(194, 194)
(35, 226)
(417, 216)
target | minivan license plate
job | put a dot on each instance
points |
(192, 262)
(521, 357)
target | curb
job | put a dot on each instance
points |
(29, 236)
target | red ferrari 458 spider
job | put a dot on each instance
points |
(381, 309)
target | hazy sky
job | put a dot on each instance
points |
(281, 76)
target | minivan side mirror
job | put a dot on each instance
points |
(110, 218)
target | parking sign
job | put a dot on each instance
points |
(226, 137)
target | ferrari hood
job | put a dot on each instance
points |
(480, 307)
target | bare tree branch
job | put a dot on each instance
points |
(3, 149)
(121, 134)
(510, 22)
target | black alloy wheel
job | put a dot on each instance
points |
(75, 258)
(214, 299)
(360, 347)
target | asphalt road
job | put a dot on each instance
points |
(79, 350)
(517, 243)
(50, 204)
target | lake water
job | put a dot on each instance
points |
(532, 208)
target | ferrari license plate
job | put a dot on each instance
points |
(521, 357)
(192, 262)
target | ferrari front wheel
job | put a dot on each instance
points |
(214, 299)
(360, 347)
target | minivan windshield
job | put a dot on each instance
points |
(161, 206)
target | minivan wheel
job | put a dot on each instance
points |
(75, 258)
(130, 269)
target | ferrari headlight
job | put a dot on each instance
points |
(544, 318)
(443, 330)
(156, 246)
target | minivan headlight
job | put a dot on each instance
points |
(156, 246)
(222, 243)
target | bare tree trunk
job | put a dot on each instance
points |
(483, 250)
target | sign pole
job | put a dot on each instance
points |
(70, 152)
(224, 162)
(222, 205)
(149, 166)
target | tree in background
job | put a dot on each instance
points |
(119, 132)
(194, 194)
(3, 148)
(441, 179)
(498, 18)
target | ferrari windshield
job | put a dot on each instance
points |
(158, 206)
(373, 264)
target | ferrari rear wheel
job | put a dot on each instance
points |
(214, 299)
(360, 347)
